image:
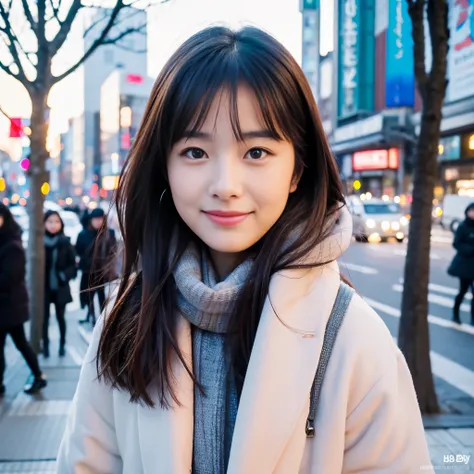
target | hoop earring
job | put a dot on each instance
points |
(162, 194)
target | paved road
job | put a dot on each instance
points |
(376, 271)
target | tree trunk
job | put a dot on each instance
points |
(37, 176)
(413, 336)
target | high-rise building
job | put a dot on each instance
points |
(128, 55)
(371, 112)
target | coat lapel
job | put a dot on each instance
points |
(166, 436)
(282, 366)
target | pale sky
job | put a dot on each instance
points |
(169, 25)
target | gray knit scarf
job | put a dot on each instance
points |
(208, 304)
(52, 242)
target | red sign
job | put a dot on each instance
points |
(125, 141)
(16, 128)
(375, 160)
(134, 78)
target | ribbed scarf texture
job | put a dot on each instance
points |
(51, 241)
(208, 305)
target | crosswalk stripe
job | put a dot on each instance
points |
(443, 289)
(391, 311)
(403, 253)
(359, 268)
(437, 299)
(455, 374)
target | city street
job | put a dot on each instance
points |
(376, 271)
(35, 425)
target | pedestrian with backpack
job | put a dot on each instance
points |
(232, 345)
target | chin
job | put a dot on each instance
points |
(226, 245)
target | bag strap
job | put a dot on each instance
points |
(343, 298)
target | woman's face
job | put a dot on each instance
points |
(470, 213)
(230, 193)
(53, 224)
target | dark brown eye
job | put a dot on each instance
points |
(195, 153)
(256, 153)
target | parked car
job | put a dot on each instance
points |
(377, 218)
(454, 207)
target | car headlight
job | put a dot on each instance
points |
(404, 221)
(385, 226)
(370, 223)
(395, 225)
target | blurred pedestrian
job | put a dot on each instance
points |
(462, 266)
(96, 246)
(85, 218)
(14, 310)
(212, 357)
(60, 269)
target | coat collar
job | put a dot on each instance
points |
(279, 376)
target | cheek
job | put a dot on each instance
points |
(186, 187)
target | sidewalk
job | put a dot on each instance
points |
(31, 427)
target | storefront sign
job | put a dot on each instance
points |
(400, 79)
(449, 148)
(348, 57)
(375, 160)
(461, 50)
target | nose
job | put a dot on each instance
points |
(226, 182)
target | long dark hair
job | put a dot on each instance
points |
(10, 226)
(139, 340)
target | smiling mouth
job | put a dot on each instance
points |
(226, 218)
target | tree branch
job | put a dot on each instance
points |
(98, 42)
(439, 34)
(5, 68)
(124, 33)
(55, 11)
(416, 11)
(21, 76)
(65, 27)
(29, 15)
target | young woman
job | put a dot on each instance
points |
(14, 300)
(462, 266)
(60, 269)
(96, 248)
(233, 218)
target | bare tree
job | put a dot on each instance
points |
(33, 70)
(413, 336)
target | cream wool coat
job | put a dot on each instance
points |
(368, 419)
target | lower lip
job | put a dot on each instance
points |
(226, 221)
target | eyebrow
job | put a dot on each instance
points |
(245, 135)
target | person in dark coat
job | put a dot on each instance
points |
(96, 246)
(60, 269)
(14, 311)
(462, 265)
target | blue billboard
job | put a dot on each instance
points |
(400, 78)
(349, 54)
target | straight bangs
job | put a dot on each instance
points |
(204, 80)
